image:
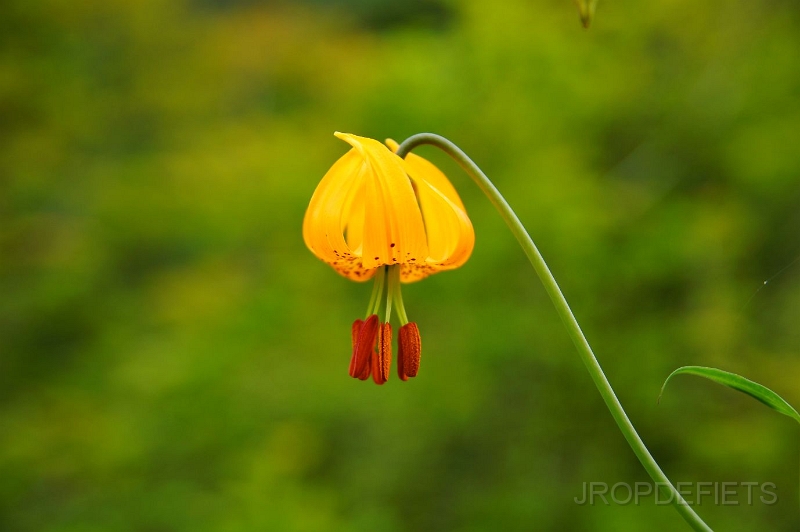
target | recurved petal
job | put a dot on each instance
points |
(326, 207)
(451, 237)
(421, 168)
(449, 231)
(393, 230)
(333, 207)
(353, 221)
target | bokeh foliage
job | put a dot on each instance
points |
(173, 358)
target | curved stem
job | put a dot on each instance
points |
(564, 311)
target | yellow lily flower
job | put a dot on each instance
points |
(375, 215)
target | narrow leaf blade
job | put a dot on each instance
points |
(739, 383)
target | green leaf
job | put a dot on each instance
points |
(737, 382)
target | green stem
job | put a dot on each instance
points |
(567, 317)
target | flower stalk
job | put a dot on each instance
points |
(568, 318)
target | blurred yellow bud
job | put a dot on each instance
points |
(586, 9)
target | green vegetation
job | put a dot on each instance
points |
(173, 358)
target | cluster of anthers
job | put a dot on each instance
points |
(372, 338)
(396, 220)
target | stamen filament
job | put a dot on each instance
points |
(393, 281)
(398, 300)
(377, 291)
(381, 283)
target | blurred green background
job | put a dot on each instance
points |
(173, 358)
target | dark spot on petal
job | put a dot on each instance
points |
(393, 244)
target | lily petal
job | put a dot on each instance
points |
(373, 208)
(420, 166)
(393, 228)
(449, 231)
(324, 219)
(451, 237)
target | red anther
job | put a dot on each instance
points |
(355, 330)
(365, 335)
(382, 358)
(409, 349)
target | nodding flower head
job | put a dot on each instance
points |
(377, 216)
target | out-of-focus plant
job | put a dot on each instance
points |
(586, 10)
